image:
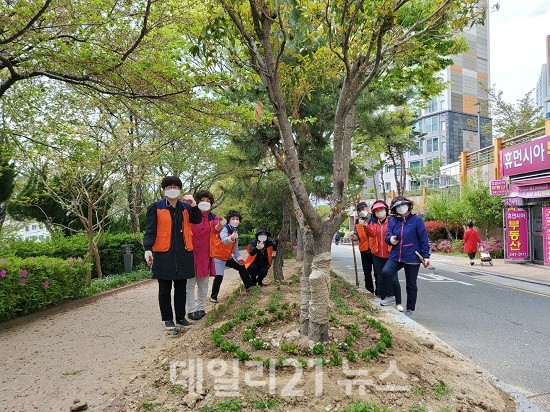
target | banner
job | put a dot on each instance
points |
(527, 157)
(498, 187)
(517, 234)
(546, 226)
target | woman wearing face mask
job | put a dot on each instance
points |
(203, 234)
(169, 249)
(225, 251)
(260, 252)
(360, 234)
(376, 231)
(407, 234)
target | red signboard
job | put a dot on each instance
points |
(527, 157)
(517, 244)
(498, 187)
(546, 226)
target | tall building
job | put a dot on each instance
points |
(543, 85)
(454, 121)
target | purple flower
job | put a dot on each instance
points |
(46, 284)
(3, 273)
(23, 273)
(22, 281)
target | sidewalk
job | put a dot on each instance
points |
(527, 272)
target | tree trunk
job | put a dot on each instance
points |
(282, 243)
(3, 207)
(319, 282)
(305, 293)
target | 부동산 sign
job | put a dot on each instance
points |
(517, 244)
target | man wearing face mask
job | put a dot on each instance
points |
(260, 252)
(360, 235)
(169, 249)
(376, 231)
(407, 235)
(225, 251)
(203, 235)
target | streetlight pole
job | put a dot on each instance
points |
(478, 122)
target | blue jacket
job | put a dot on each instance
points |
(412, 236)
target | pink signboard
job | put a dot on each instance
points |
(517, 245)
(546, 226)
(526, 157)
(530, 191)
(498, 187)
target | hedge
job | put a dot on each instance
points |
(28, 285)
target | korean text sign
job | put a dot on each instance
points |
(546, 226)
(517, 244)
(498, 187)
(526, 157)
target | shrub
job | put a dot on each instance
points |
(445, 246)
(436, 230)
(28, 285)
(494, 247)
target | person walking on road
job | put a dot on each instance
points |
(203, 233)
(407, 235)
(471, 241)
(376, 231)
(169, 249)
(225, 251)
(364, 247)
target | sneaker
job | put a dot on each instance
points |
(201, 314)
(194, 316)
(388, 300)
(409, 313)
(400, 308)
(169, 325)
(183, 324)
(472, 263)
(213, 300)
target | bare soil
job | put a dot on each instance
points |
(417, 372)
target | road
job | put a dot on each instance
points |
(503, 325)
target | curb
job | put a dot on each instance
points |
(68, 305)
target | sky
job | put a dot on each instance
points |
(518, 33)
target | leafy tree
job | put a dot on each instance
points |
(348, 44)
(480, 207)
(511, 119)
(7, 182)
(447, 207)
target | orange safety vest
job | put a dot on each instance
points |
(252, 258)
(363, 238)
(220, 250)
(377, 233)
(164, 231)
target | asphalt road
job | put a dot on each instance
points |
(502, 325)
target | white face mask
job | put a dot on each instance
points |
(381, 214)
(234, 222)
(204, 206)
(402, 209)
(363, 213)
(262, 238)
(172, 193)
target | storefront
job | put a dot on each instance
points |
(527, 203)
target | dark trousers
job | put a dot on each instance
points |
(378, 264)
(257, 273)
(389, 274)
(472, 255)
(366, 262)
(243, 273)
(165, 298)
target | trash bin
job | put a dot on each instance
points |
(128, 258)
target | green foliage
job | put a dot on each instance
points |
(365, 407)
(116, 281)
(480, 206)
(28, 285)
(441, 389)
(267, 404)
(76, 246)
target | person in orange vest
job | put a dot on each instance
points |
(225, 251)
(376, 231)
(169, 249)
(260, 252)
(360, 235)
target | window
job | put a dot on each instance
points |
(418, 150)
(34, 227)
(432, 145)
(387, 169)
(432, 124)
(416, 164)
(414, 185)
(432, 105)
(388, 186)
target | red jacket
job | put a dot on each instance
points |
(471, 240)
(376, 233)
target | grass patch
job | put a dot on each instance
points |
(231, 405)
(441, 389)
(365, 407)
(116, 281)
(266, 404)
